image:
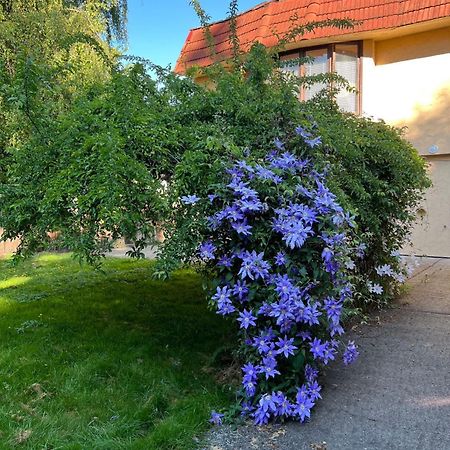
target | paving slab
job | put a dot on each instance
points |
(396, 396)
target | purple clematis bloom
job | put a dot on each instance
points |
(265, 408)
(302, 132)
(268, 367)
(278, 144)
(247, 319)
(314, 390)
(351, 353)
(284, 406)
(207, 250)
(314, 142)
(263, 343)
(333, 309)
(280, 259)
(190, 199)
(225, 261)
(317, 348)
(242, 228)
(240, 289)
(302, 408)
(233, 213)
(311, 314)
(286, 346)
(253, 266)
(311, 373)
(222, 295)
(216, 418)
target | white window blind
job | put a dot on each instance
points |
(346, 65)
(318, 66)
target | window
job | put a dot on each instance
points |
(344, 59)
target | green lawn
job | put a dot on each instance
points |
(112, 360)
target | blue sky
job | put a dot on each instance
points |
(157, 29)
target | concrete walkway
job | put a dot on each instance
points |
(397, 396)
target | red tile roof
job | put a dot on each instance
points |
(258, 23)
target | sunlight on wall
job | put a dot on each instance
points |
(407, 83)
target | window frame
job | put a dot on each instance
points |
(331, 63)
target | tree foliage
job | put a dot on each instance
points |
(113, 13)
(95, 149)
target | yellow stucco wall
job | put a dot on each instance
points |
(406, 82)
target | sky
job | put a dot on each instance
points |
(157, 29)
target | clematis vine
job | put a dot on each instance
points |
(284, 253)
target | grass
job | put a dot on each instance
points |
(112, 360)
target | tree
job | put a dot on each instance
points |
(113, 12)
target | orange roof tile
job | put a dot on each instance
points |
(258, 23)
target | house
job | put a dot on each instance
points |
(398, 58)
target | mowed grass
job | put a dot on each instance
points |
(111, 360)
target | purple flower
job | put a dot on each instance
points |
(212, 197)
(327, 254)
(253, 266)
(360, 250)
(190, 199)
(333, 309)
(329, 352)
(351, 353)
(302, 408)
(222, 295)
(317, 348)
(336, 328)
(245, 166)
(247, 319)
(242, 228)
(304, 335)
(311, 374)
(265, 408)
(314, 142)
(314, 390)
(285, 288)
(250, 204)
(311, 314)
(207, 250)
(278, 144)
(286, 347)
(215, 220)
(216, 418)
(240, 289)
(233, 213)
(264, 173)
(263, 343)
(225, 261)
(250, 371)
(305, 192)
(282, 311)
(385, 269)
(225, 309)
(246, 409)
(280, 259)
(302, 132)
(249, 387)
(284, 406)
(375, 288)
(287, 161)
(268, 367)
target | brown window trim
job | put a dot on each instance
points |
(331, 52)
